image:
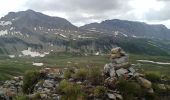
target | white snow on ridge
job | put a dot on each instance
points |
(63, 35)
(125, 35)
(11, 56)
(116, 33)
(149, 61)
(3, 23)
(134, 36)
(28, 52)
(37, 64)
(3, 32)
(83, 37)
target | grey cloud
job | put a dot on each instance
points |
(75, 9)
(99, 10)
(163, 14)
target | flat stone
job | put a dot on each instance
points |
(112, 72)
(144, 82)
(120, 97)
(121, 72)
(132, 70)
(111, 96)
(122, 59)
(48, 83)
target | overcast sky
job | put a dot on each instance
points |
(81, 12)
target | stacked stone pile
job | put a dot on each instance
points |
(120, 68)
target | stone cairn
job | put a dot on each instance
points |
(119, 68)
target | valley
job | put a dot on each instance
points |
(10, 67)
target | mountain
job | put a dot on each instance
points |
(30, 32)
(20, 30)
(130, 29)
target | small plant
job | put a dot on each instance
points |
(21, 97)
(70, 91)
(95, 76)
(99, 91)
(81, 74)
(154, 77)
(30, 79)
(129, 89)
(67, 74)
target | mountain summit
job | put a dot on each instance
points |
(131, 29)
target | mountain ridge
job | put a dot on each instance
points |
(28, 29)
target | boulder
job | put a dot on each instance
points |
(144, 82)
(162, 86)
(121, 72)
(111, 96)
(48, 84)
(118, 96)
(121, 60)
(109, 70)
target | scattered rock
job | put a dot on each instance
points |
(111, 96)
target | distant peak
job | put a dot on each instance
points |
(30, 10)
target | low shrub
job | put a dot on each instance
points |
(81, 74)
(70, 91)
(99, 91)
(95, 76)
(153, 77)
(30, 79)
(129, 89)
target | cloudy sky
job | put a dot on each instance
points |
(81, 12)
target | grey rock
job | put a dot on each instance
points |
(144, 82)
(48, 83)
(121, 72)
(120, 60)
(132, 70)
(120, 97)
(112, 72)
(111, 96)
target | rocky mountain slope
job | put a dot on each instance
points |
(130, 29)
(33, 33)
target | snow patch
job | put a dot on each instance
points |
(11, 56)
(3, 23)
(116, 33)
(149, 61)
(134, 36)
(97, 53)
(63, 35)
(124, 35)
(28, 52)
(37, 64)
(3, 32)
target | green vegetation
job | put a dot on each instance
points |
(17, 66)
(99, 91)
(153, 77)
(30, 79)
(81, 74)
(95, 76)
(129, 89)
(21, 97)
(70, 91)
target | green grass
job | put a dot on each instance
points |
(17, 66)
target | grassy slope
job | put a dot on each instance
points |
(17, 66)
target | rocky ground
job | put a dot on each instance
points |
(117, 81)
